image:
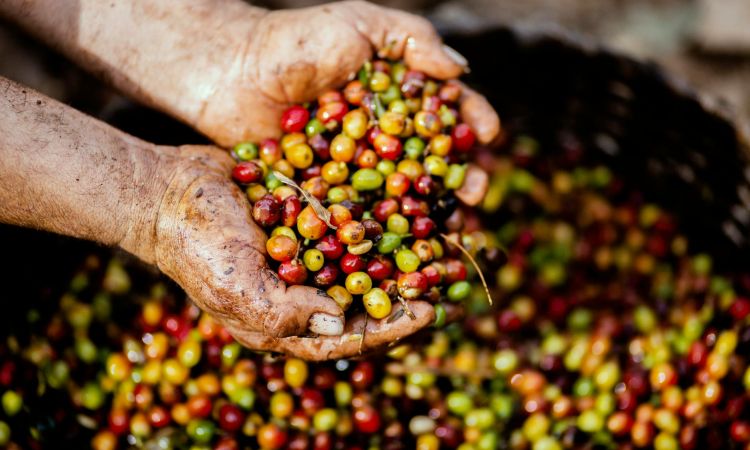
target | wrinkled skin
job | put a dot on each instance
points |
(295, 55)
(207, 242)
(229, 70)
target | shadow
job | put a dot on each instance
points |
(680, 151)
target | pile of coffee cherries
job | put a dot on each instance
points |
(357, 192)
(607, 332)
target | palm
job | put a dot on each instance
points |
(293, 56)
(208, 243)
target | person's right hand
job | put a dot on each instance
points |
(292, 56)
(203, 237)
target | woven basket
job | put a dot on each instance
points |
(683, 152)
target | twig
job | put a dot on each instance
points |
(407, 310)
(473, 262)
(364, 330)
(320, 211)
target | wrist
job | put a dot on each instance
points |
(219, 60)
(153, 170)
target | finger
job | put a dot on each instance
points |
(397, 325)
(367, 336)
(475, 186)
(304, 309)
(356, 340)
(477, 112)
(296, 310)
(397, 34)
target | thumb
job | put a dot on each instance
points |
(303, 309)
(475, 186)
(400, 35)
(480, 115)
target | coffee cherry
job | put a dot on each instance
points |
(377, 303)
(342, 148)
(463, 138)
(293, 272)
(351, 232)
(459, 291)
(422, 227)
(331, 247)
(455, 271)
(384, 209)
(360, 248)
(341, 296)
(291, 207)
(373, 229)
(326, 276)
(413, 83)
(454, 179)
(435, 166)
(412, 285)
(380, 268)
(269, 151)
(367, 180)
(368, 159)
(267, 211)
(424, 185)
(313, 259)
(407, 260)
(247, 172)
(281, 248)
(423, 250)
(231, 418)
(427, 124)
(397, 224)
(351, 263)
(412, 207)
(309, 225)
(335, 172)
(355, 124)
(367, 420)
(432, 274)
(358, 283)
(294, 119)
(388, 147)
(353, 93)
(316, 186)
(332, 112)
(339, 215)
(389, 242)
(441, 145)
(397, 184)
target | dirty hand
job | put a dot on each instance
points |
(176, 208)
(229, 69)
(291, 56)
(206, 240)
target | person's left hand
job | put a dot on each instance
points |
(291, 56)
(202, 235)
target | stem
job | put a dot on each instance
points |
(473, 262)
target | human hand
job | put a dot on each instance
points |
(291, 56)
(229, 69)
(205, 239)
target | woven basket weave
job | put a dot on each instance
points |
(681, 151)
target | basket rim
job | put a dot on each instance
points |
(712, 104)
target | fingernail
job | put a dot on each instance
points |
(456, 57)
(326, 324)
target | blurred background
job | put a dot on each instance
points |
(706, 42)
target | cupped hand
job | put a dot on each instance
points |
(291, 56)
(206, 240)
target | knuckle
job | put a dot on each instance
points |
(421, 26)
